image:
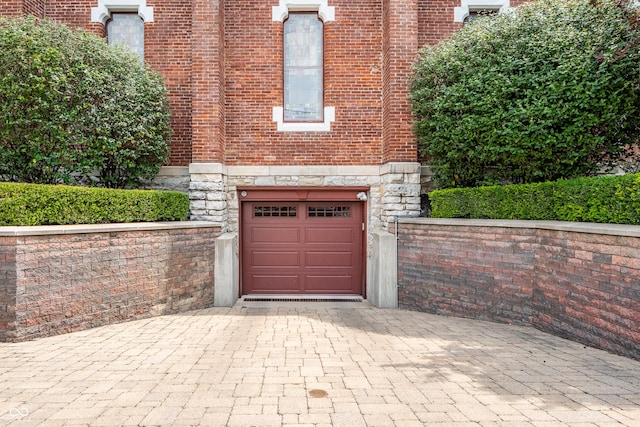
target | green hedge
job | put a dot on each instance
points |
(33, 204)
(610, 199)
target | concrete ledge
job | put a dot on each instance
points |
(311, 170)
(42, 230)
(173, 171)
(400, 167)
(576, 227)
(207, 168)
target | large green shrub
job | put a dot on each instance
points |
(72, 107)
(609, 199)
(34, 204)
(548, 91)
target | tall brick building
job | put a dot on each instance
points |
(291, 120)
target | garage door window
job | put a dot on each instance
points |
(329, 211)
(274, 211)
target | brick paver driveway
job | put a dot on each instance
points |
(310, 364)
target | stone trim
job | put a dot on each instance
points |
(461, 12)
(325, 12)
(325, 126)
(394, 188)
(102, 12)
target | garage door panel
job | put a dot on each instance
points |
(329, 259)
(329, 235)
(264, 283)
(302, 247)
(275, 235)
(275, 259)
(330, 284)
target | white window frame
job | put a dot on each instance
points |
(102, 12)
(460, 13)
(327, 14)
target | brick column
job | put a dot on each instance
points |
(22, 7)
(208, 115)
(400, 47)
(207, 189)
(34, 7)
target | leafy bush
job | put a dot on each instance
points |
(610, 199)
(33, 204)
(71, 106)
(548, 91)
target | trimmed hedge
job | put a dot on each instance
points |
(609, 199)
(34, 204)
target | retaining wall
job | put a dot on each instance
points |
(578, 281)
(58, 279)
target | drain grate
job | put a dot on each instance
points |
(299, 299)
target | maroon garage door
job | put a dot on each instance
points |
(294, 247)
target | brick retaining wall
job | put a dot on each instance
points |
(60, 279)
(578, 281)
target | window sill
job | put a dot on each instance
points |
(329, 116)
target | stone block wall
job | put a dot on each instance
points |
(578, 281)
(61, 279)
(394, 188)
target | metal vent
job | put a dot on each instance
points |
(302, 299)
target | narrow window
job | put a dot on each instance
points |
(475, 14)
(127, 29)
(303, 68)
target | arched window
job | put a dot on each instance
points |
(470, 9)
(303, 68)
(127, 29)
(303, 108)
(124, 21)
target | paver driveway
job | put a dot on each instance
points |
(310, 364)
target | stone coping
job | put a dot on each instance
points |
(43, 230)
(576, 227)
(310, 170)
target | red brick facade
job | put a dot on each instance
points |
(222, 61)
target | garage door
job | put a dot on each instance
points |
(293, 247)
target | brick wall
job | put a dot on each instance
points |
(399, 50)
(7, 284)
(435, 19)
(583, 286)
(167, 46)
(11, 7)
(222, 61)
(167, 49)
(208, 77)
(59, 283)
(353, 85)
(588, 289)
(35, 7)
